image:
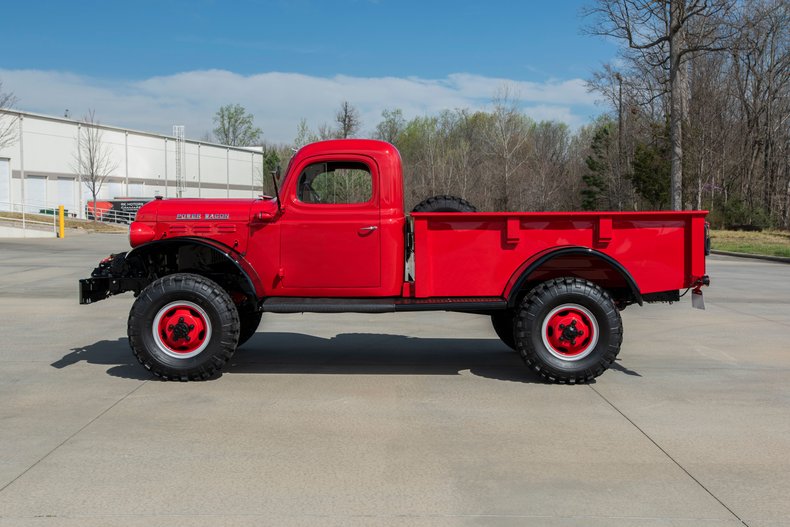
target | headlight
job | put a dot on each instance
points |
(140, 233)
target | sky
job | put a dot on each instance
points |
(148, 65)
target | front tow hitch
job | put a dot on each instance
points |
(110, 277)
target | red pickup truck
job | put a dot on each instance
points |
(336, 238)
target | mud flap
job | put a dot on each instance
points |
(697, 299)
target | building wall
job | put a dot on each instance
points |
(44, 157)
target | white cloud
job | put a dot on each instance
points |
(280, 100)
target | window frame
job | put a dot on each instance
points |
(369, 163)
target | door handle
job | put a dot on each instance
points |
(371, 228)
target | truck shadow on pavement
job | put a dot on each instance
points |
(114, 353)
(346, 354)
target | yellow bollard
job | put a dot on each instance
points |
(62, 222)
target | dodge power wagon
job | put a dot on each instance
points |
(335, 238)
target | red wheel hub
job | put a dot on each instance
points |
(570, 331)
(182, 328)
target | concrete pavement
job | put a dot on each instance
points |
(397, 419)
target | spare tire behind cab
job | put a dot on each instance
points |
(444, 204)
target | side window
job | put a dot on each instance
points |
(334, 183)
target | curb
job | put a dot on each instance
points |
(779, 259)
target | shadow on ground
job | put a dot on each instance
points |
(348, 353)
(113, 353)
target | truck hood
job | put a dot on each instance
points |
(196, 210)
(224, 220)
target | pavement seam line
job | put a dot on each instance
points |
(681, 467)
(86, 425)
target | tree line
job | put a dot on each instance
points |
(698, 117)
(700, 102)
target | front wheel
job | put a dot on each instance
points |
(248, 322)
(568, 330)
(183, 327)
(503, 325)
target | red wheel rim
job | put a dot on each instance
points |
(570, 332)
(181, 329)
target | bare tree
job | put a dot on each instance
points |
(348, 121)
(326, 132)
(391, 126)
(303, 135)
(234, 126)
(7, 121)
(506, 137)
(93, 162)
(664, 35)
(761, 72)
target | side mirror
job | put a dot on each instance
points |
(262, 217)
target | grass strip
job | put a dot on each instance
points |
(768, 243)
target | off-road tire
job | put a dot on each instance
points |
(444, 204)
(248, 325)
(211, 300)
(532, 340)
(503, 322)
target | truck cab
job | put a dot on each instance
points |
(340, 223)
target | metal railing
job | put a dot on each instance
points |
(36, 215)
(29, 215)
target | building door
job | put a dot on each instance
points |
(35, 193)
(114, 189)
(5, 184)
(136, 190)
(66, 193)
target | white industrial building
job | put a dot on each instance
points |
(39, 168)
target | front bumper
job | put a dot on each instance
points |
(94, 289)
(111, 277)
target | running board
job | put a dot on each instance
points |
(380, 305)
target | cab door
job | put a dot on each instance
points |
(330, 228)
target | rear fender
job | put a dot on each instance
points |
(540, 263)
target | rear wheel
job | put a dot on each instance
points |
(568, 330)
(503, 322)
(183, 327)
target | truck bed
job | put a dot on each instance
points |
(483, 254)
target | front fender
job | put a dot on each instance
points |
(254, 286)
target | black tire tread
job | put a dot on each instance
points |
(444, 203)
(503, 326)
(544, 293)
(190, 283)
(248, 325)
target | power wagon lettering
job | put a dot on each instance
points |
(207, 216)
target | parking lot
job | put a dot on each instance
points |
(397, 419)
